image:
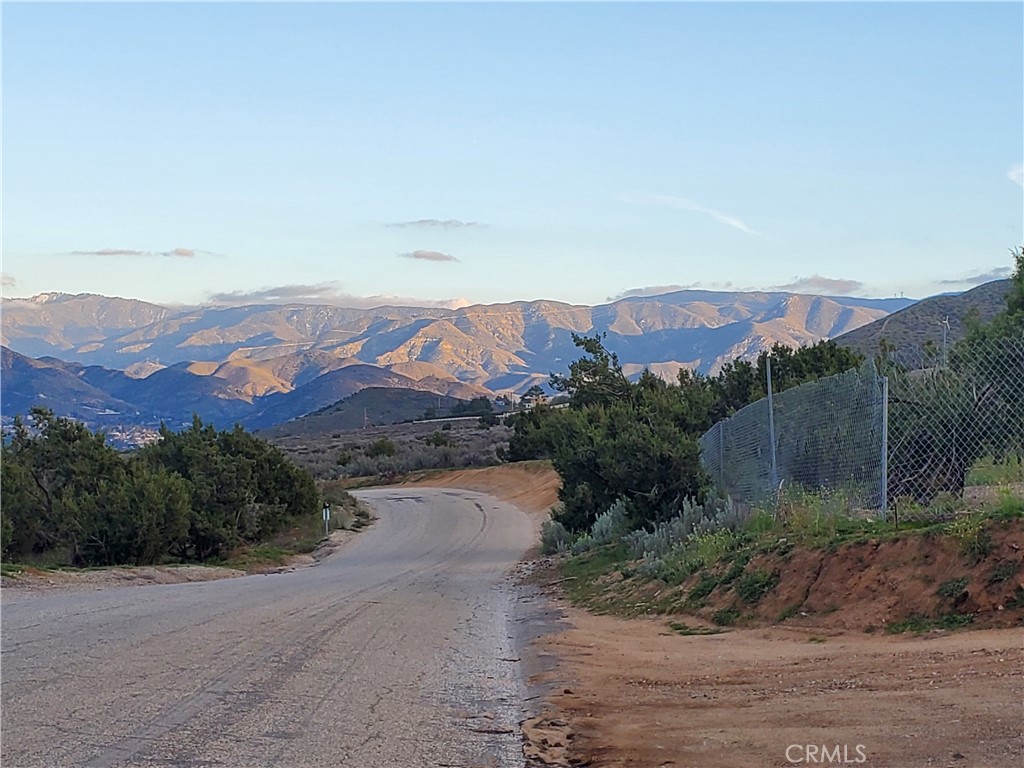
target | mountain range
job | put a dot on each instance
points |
(264, 364)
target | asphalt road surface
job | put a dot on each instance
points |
(393, 652)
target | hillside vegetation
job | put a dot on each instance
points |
(386, 453)
(923, 323)
(373, 406)
(645, 527)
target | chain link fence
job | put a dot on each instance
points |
(921, 433)
(823, 436)
(956, 424)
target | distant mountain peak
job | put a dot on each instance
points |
(46, 298)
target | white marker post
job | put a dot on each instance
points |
(327, 518)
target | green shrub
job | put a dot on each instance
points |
(191, 495)
(952, 588)
(554, 538)
(703, 588)
(726, 617)
(436, 439)
(611, 524)
(753, 586)
(971, 533)
(381, 447)
(1003, 572)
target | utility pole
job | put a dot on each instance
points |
(945, 329)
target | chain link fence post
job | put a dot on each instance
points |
(884, 453)
(931, 436)
(771, 425)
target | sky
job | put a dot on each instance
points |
(446, 154)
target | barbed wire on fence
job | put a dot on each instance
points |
(918, 431)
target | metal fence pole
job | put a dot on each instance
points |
(721, 454)
(885, 448)
(771, 424)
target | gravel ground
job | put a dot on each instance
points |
(393, 652)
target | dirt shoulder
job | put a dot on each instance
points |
(37, 580)
(811, 665)
(636, 693)
(32, 579)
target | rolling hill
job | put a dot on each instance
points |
(374, 406)
(908, 330)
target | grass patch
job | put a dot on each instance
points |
(615, 579)
(789, 612)
(971, 534)
(989, 471)
(753, 586)
(707, 584)
(583, 578)
(1002, 572)
(921, 624)
(952, 588)
(684, 629)
(726, 617)
(736, 568)
(1008, 506)
(262, 555)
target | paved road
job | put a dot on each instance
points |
(380, 656)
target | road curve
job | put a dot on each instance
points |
(386, 654)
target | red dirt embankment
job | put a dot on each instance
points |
(874, 584)
(862, 586)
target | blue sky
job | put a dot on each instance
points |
(434, 153)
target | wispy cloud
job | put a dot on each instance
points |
(7, 280)
(978, 278)
(179, 252)
(428, 256)
(659, 290)
(683, 204)
(818, 284)
(433, 224)
(647, 290)
(1016, 174)
(327, 293)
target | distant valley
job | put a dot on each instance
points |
(112, 360)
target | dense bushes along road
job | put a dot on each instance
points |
(69, 498)
(634, 443)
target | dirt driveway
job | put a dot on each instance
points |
(640, 694)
